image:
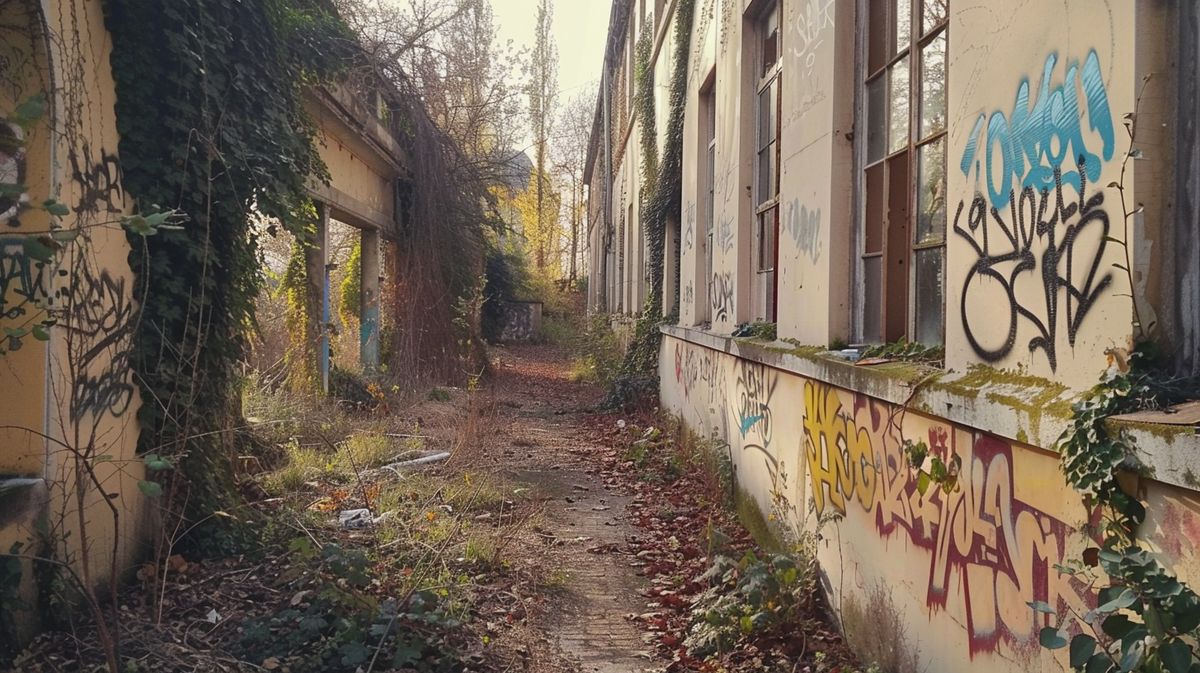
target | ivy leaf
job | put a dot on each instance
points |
(1099, 664)
(40, 249)
(1189, 619)
(12, 189)
(1083, 647)
(1154, 623)
(157, 463)
(55, 208)
(1117, 626)
(1042, 606)
(1133, 656)
(1052, 638)
(923, 482)
(29, 111)
(139, 225)
(1123, 600)
(151, 489)
(40, 333)
(1176, 656)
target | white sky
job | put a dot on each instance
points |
(580, 28)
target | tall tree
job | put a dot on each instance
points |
(573, 132)
(450, 52)
(542, 89)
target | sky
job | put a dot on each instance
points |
(580, 28)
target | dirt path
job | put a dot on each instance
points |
(543, 445)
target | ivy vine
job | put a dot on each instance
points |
(660, 199)
(211, 118)
(1146, 619)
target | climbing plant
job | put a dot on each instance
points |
(1146, 619)
(660, 200)
(211, 117)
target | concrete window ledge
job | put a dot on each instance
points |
(1015, 406)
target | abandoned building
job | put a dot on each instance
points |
(68, 399)
(1010, 185)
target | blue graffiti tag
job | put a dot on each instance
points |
(1046, 137)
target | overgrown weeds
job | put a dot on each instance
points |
(720, 601)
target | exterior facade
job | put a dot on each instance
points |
(975, 178)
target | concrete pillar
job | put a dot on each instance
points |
(316, 266)
(369, 307)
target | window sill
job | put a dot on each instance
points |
(1018, 407)
(1022, 408)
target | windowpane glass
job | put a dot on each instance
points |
(765, 183)
(764, 177)
(933, 86)
(931, 192)
(903, 23)
(872, 299)
(877, 32)
(875, 209)
(929, 308)
(898, 106)
(933, 13)
(876, 119)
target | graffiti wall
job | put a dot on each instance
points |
(66, 391)
(961, 564)
(1036, 222)
(522, 321)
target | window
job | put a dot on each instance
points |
(708, 189)
(904, 220)
(766, 161)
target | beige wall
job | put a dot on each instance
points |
(958, 567)
(72, 397)
(1033, 82)
(1011, 305)
(1084, 76)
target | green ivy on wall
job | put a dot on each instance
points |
(211, 117)
(662, 188)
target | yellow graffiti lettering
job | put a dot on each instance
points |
(841, 462)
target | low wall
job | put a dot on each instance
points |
(944, 577)
(522, 321)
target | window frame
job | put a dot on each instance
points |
(766, 210)
(708, 192)
(897, 240)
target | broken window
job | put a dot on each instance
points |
(904, 178)
(766, 164)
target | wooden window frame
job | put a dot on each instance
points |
(708, 171)
(766, 207)
(896, 236)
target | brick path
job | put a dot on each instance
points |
(586, 619)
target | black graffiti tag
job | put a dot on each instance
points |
(722, 295)
(1037, 220)
(99, 180)
(101, 318)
